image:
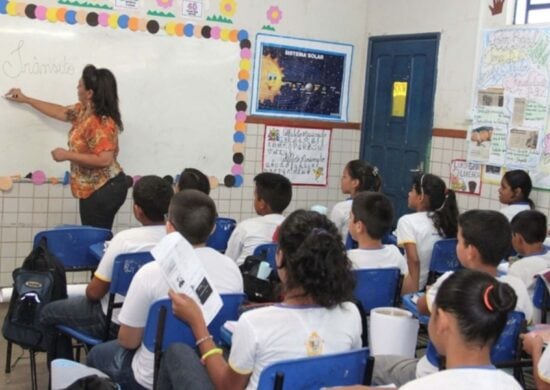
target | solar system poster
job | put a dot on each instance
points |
(301, 78)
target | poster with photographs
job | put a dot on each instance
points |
(465, 177)
(492, 174)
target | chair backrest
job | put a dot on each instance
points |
(350, 242)
(126, 265)
(71, 245)
(507, 347)
(444, 258)
(541, 296)
(346, 368)
(164, 328)
(219, 238)
(377, 287)
(268, 252)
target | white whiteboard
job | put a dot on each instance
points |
(177, 95)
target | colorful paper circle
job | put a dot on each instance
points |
(92, 19)
(242, 35)
(205, 31)
(81, 16)
(11, 9)
(51, 15)
(40, 12)
(20, 9)
(214, 183)
(179, 29)
(103, 19)
(245, 43)
(238, 148)
(229, 180)
(245, 53)
(60, 14)
(240, 116)
(188, 30)
(6, 183)
(244, 74)
(66, 178)
(241, 96)
(245, 64)
(242, 85)
(38, 177)
(238, 180)
(240, 126)
(215, 32)
(123, 21)
(153, 26)
(70, 17)
(170, 28)
(113, 21)
(238, 158)
(241, 106)
(30, 10)
(3, 4)
(133, 23)
(224, 34)
(197, 31)
(238, 137)
(237, 169)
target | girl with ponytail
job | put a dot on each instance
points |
(435, 218)
(315, 317)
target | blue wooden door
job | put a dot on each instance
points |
(398, 109)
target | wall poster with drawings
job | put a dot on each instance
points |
(300, 154)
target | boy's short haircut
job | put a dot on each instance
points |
(152, 194)
(193, 214)
(531, 225)
(193, 179)
(489, 232)
(375, 210)
(274, 189)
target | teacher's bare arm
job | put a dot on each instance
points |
(52, 110)
(89, 160)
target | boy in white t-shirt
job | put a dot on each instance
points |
(370, 219)
(484, 239)
(87, 313)
(192, 214)
(528, 235)
(272, 195)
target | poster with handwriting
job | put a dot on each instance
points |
(301, 154)
(465, 177)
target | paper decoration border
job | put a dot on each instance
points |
(115, 21)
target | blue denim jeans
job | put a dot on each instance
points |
(115, 361)
(181, 369)
(78, 313)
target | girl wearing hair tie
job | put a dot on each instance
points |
(358, 176)
(470, 312)
(315, 317)
(97, 179)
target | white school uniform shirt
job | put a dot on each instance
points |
(467, 378)
(139, 239)
(523, 304)
(340, 216)
(527, 268)
(386, 257)
(543, 367)
(250, 233)
(281, 332)
(150, 285)
(511, 210)
(418, 229)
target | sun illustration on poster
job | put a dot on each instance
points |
(271, 79)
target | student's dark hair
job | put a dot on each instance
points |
(105, 97)
(531, 225)
(274, 189)
(315, 259)
(193, 179)
(442, 206)
(368, 175)
(518, 178)
(375, 210)
(193, 214)
(152, 194)
(479, 302)
(489, 232)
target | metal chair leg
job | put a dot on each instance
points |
(7, 370)
(33, 369)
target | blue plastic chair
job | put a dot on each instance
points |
(163, 328)
(408, 301)
(379, 287)
(268, 252)
(71, 245)
(125, 267)
(444, 258)
(340, 369)
(541, 298)
(218, 240)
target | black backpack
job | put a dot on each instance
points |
(40, 280)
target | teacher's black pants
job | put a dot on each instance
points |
(100, 208)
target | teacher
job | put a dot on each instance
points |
(97, 179)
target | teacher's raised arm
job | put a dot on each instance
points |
(97, 179)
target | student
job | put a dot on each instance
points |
(528, 235)
(371, 218)
(126, 360)
(483, 241)
(193, 179)
(272, 195)
(514, 191)
(88, 313)
(435, 218)
(470, 312)
(534, 345)
(358, 176)
(314, 318)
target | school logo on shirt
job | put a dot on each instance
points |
(314, 344)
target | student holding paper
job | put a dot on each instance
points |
(192, 214)
(316, 316)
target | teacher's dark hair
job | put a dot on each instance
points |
(105, 98)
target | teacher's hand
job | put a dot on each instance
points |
(60, 154)
(15, 95)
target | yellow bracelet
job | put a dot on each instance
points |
(212, 352)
